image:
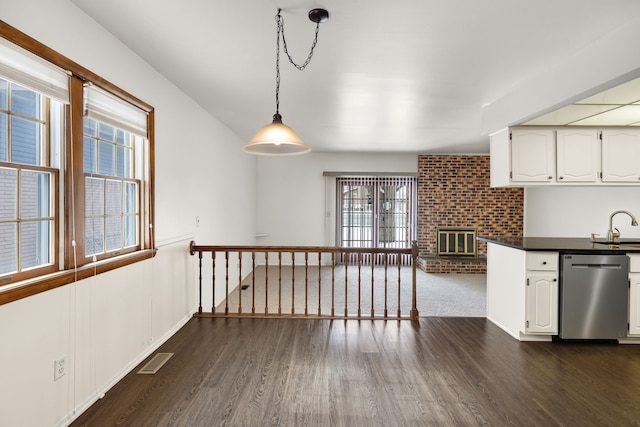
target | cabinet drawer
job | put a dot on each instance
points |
(547, 261)
(634, 263)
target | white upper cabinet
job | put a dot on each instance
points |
(578, 155)
(621, 155)
(532, 155)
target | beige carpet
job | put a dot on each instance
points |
(438, 295)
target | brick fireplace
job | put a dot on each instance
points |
(454, 193)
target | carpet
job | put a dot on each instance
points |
(319, 290)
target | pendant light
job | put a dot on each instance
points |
(276, 138)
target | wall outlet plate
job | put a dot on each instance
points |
(59, 368)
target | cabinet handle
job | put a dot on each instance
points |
(562, 177)
(544, 262)
(550, 177)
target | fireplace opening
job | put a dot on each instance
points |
(456, 241)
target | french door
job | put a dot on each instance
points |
(376, 212)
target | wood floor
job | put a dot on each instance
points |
(432, 372)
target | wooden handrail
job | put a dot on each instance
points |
(193, 248)
(377, 254)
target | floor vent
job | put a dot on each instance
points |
(155, 363)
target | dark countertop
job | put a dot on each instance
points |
(565, 244)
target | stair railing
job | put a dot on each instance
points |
(330, 267)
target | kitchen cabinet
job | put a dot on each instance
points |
(532, 155)
(621, 155)
(530, 311)
(578, 155)
(541, 156)
(541, 295)
(522, 292)
(634, 294)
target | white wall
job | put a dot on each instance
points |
(292, 193)
(579, 211)
(106, 324)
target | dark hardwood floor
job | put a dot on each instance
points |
(436, 371)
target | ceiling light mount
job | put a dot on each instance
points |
(277, 138)
(318, 15)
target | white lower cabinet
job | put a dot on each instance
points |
(541, 293)
(634, 294)
(522, 292)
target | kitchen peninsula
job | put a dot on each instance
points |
(523, 282)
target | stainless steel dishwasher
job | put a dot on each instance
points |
(594, 296)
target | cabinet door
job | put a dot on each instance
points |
(620, 155)
(578, 155)
(532, 155)
(634, 304)
(541, 303)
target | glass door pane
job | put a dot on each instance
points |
(357, 216)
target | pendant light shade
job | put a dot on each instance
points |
(276, 139)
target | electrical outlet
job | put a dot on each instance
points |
(59, 368)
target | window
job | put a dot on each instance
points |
(28, 180)
(376, 212)
(111, 192)
(76, 171)
(114, 144)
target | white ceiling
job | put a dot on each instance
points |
(618, 106)
(403, 76)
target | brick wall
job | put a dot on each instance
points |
(454, 191)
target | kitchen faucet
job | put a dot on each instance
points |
(612, 235)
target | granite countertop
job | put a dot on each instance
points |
(565, 244)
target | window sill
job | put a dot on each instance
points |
(27, 288)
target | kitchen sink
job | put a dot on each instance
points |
(635, 244)
(618, 242)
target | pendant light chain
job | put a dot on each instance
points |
(280, 23)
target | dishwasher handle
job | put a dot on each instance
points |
(609, 266)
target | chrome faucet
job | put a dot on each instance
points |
(612, 235)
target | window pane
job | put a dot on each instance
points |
(121, 136)
(90, 126)
(3, 94)
(114, 233)
(107, 158)
(130, 230)
(130, 193)
(106, 132)
(114, 197)
(35, 195)
(94, 236)
(94, 196)
(8, 248)
(4, 138)
(8, 194)
(90, 155)
(25, 141)
(35, 244)
(123, 162)
(25, 102)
